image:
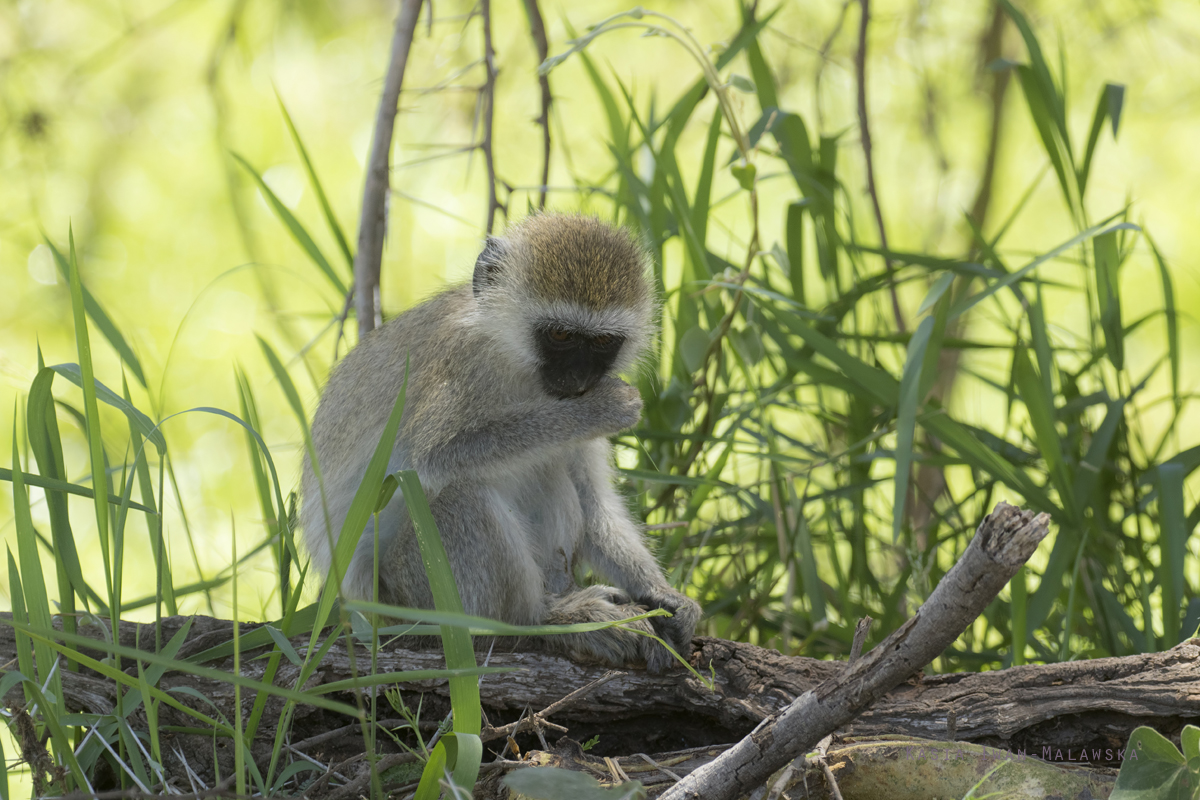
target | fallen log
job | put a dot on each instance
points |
(1053, 712)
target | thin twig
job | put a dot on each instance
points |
(372, 225)
(537, 29)
(488, 99)
(354, 788)
(860, 70)
(540, 717)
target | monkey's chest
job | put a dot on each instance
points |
(549, 519)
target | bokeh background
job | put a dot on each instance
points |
(120, 119)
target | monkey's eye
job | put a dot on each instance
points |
(603, 340)
(560, 334)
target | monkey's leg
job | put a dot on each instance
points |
(613, 545)
(493, 567)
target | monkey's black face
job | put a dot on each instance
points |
(571, 362)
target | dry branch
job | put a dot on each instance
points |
(537, 29)
(864, 127)
(372, 225)
(1040, 710)
(487, 100)
(1004, 542)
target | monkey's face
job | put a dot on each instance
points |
(570, 361)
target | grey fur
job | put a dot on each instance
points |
(519, 482)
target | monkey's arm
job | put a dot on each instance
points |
(449, 445)
(614, 546)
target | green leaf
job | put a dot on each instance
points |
(1189, 737)
(741, 83)
(1152, 770)
(745, 173)
(294, 227)
(435, 767)
(1108, 262)
(284, 645)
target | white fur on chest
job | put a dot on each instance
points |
(541, 507)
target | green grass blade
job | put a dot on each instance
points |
(16, 595)
(1013, 277)
(703, 196)
(1020, 631)
(359, 513)
(275, 524)
(87, 383)
(46, 444)
(1172, 318)
(294, 227)
(318, 189)
(1112, 98)
(144, 424)
(1087, 477)
(1040, 406)
(1108, 263)
(59, 640)
(164, 580)
(102, 321)
(794, 232)
(1173, 549)
(764, 80)
(456, 641)
(906, 420)
(36, 600)
(70, 488)
(1044, 121)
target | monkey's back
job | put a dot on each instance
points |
(443, 361)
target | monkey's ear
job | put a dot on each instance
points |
(489, 264)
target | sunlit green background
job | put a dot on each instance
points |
(119, 118)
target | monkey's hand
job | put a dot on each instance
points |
(677, 629)
(612, 405)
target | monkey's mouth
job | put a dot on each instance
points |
(566, 385)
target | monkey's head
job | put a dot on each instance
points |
(569, 295)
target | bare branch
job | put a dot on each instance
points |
(372, 224)
(1005, 540)
(488, 100)
(537, 29)
(860, 71)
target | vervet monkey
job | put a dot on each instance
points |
(512, 395)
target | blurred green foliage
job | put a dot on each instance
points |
(784, 393)
(827, 417)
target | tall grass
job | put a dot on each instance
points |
(784, 418)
